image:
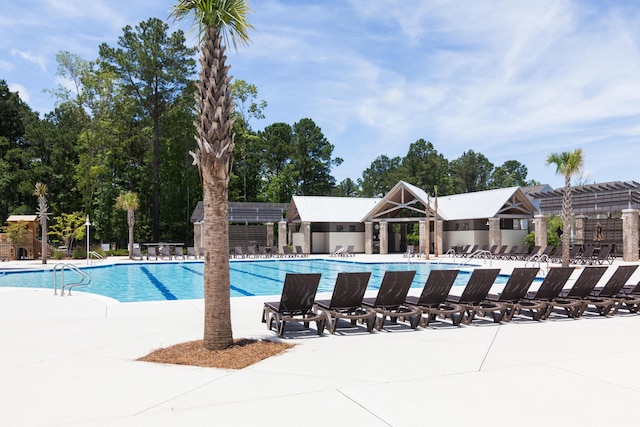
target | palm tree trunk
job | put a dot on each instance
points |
(566, 221)
(217, 309)
(131, 222)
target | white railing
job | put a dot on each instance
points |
(82, 278)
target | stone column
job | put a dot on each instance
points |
(630, 235)
(581, 229)
(269, 234)
(384, 238)
(540, 222)
(306, 237)
(424, 238)
(282, 235)
(368, 238)
(495, 234)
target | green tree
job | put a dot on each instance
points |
(153, 68)
(16, 233)
(470, 172)
(510, 174)
(129, 202)
(216, 21)
(346, 188)
(68, 228)
(43, 213)
(424, 167)
(380, 176)
(568, 164)
(312, 158)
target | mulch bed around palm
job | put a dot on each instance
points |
(243, 353)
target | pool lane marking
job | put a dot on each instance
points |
(158, 284)
(233, 288)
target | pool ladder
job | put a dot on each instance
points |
(82, 278)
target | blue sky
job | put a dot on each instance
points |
(511, 79)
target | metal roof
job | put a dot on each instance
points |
(249, 212)
(329, 209)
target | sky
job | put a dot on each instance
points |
(511, 79)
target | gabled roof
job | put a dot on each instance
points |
(328, 209)
(403, 196)
(509, 201)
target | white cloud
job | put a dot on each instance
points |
(6, 65)
(39, 60)
(22, 91)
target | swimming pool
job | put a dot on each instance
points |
(160, 281)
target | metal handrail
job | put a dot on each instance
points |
(96, 255)
(61, 267)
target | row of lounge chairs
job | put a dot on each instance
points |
(264, 252)
(591, 254)
(298, 303)
(342, 251)
(164, 252)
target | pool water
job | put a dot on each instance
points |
(160, 281)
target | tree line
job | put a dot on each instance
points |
(124, 123)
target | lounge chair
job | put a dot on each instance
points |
(300, 252)
(522, 254)
(462, 251)
(409, 252)
(296, 304)
(237, 252)
(628, 298)
(604, 299)
(603, 255)
(346, 301)
(532, 256)
(390, 301)
(536, 303)
(251, 252)
(514, 291)
(151, 253)
(350, 251)
(571, 301)
(201, 252)
(475, 292)
(587, 255)
(500, 253)
(275, 252)
(191, 253)
(136, 254)
(470, 251)
(165, 252)
(432, 302)
(262, 251)
(337, 251)
(286, 252)
(178, 252)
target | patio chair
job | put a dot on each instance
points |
(262, 251)
(532, 256)
(346, 302)
(604, 299)
(499, 254)
(470, 251)
(337, 251)
(463, 250)
(274, 252)
(178, 253)
(536, 303)
(251, 252)
(390, 301)
(475, 292)
(296, 304)
(191, 253)
(409, 252)
(511, 253)
(151, 253)
(286, 252)
(349, 251)
(301, 253)
(432, 302)
(201, 251)
(571, 300)
(522, 254)
(514, 291)
(587, 255)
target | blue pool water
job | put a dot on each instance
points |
(159, 281)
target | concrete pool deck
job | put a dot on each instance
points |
(71, 362)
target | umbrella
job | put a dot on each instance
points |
(598, 235)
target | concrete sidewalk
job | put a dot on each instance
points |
(71, 362)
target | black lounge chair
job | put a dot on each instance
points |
(514, 291)
(587, 256)
(300, 252)
(500, 253)
(572, 300)
(628, 298)
(475, 292)
(296, 304)
(346, 302)
(390, 301)
(251, 252)
(604, 299)
(536, 303)
(470, 251)
(432, 301)
(286, 252)
(512, 252)
(603, 255)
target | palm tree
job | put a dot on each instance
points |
(216, 20)
(43, 213)
(129, 202)
(568, 164)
